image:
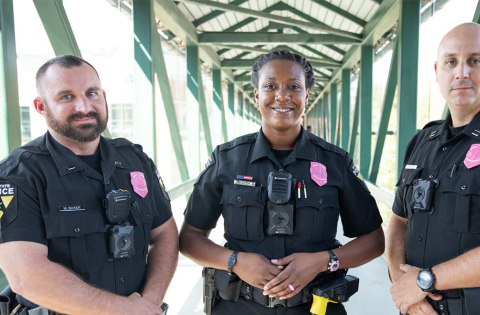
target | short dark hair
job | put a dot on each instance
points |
(284, 55)
(66, 61)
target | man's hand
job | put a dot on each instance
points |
(405, 291)
(422, 308)
(141, 306)
(255, 269)
(302, 268)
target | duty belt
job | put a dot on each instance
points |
(252, 293)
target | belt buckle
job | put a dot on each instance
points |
(272, 302)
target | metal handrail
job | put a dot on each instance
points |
(380, 194)
(182, 189)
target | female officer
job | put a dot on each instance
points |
(278, 246)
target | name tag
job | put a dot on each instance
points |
(411, 167)
(71, 208)
(243, 182)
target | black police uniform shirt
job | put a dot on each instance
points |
(452, 225)
(58, 202)
(315, 215)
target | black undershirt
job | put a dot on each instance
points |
(455, 131)
(281, 155)
(94, 161)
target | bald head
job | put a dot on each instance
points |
(458, 37)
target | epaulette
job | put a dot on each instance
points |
(121, 142)
(238, 141)
(432, 123)
(326, 145)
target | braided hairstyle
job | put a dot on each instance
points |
(284, 55)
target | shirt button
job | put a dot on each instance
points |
(320, 201)
(420, 238)
(76, 230)
(464, 187)
(148, 217)
(108, 182)
(239, 198)
(444, 148)
(122, 280)
(431, 176)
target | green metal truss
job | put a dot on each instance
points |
(9, 104)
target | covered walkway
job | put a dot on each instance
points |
(177, 74)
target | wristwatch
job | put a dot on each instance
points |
(334, 263)
(231, 262)
(426, 280)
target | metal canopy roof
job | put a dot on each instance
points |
(238, 31)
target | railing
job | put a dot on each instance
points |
(381, 195)
(182, 189)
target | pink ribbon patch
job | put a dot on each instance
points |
(139, 183)
(472, 158)
(318, 172)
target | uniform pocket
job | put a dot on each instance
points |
(142, 219)
(462, 195)
(317, 215)
(73, 223)
(408, 176)
(243, 209)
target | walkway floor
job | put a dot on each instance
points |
(185, 293)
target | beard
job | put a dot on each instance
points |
(81, 132)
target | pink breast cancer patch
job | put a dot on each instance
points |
(472, 158)
(318, 172)
(139, 183)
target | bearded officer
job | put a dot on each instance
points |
(55, 248)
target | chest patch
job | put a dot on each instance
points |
(318, 173)
(472, 158)
(139, 183)
(8, 203)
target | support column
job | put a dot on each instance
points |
(10, 135)
(144, 114)
(218, 108)
(356, 116)
(239, 115)
(408, 41)
(193, 111)
(366, 87)
(345, 108)
(326, 132)
(166, 92)
(385, 117)
(333, 112)
(202, 103)
(229, 128)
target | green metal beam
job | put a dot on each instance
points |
(385, 116)
(339, 11)
(366, 96)
(166, 92)
(334, 48)
(214, 14)
(202, 103)
(216, 112)
(476, 16)
(224, 122)
(208, 38)
(329, 60)
(381, 22)
(9, 105)
(333, 112)
(408, 41)
(345, 108)
(144, 124)
(243, 78)
(58, 29)
(272, 17)
(231, 111)
(247, 64)
(356, 116)
(239, 115)
(193, 109)
(338, 130)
